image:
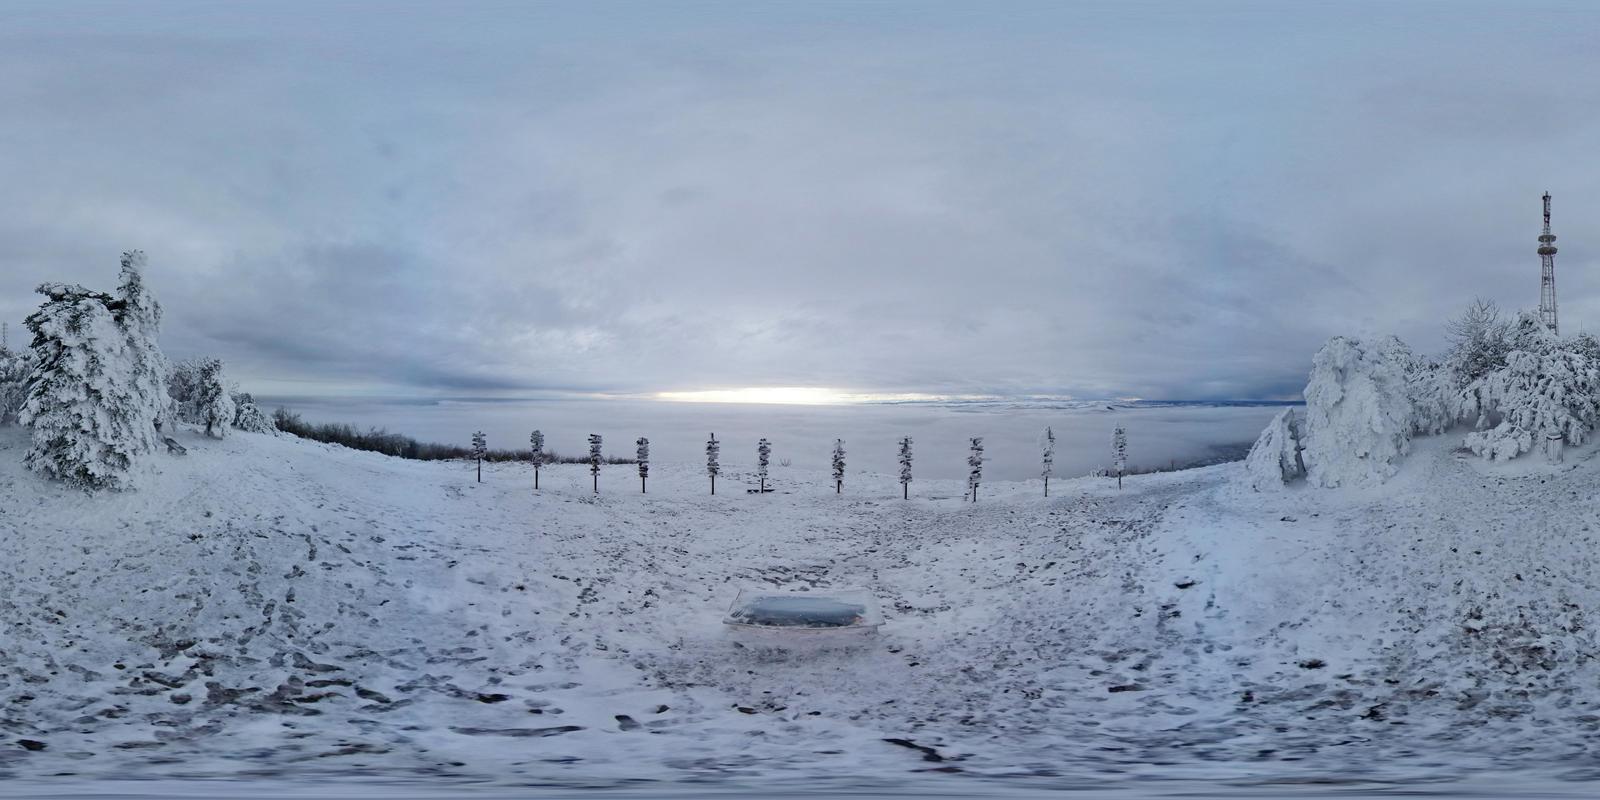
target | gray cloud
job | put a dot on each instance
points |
(1173, 201)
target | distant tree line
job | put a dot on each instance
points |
(380, 440)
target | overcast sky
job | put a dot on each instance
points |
(1164, 200)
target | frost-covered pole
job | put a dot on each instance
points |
(1119, 452)
(536, 441)
(480, 446)
(975, 466)
(713, 468)
(1049, 454)
(642, 455)
(763, 455)
(594, 460)
(838, 466)
(905, 468)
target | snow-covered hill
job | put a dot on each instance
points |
(273, 605)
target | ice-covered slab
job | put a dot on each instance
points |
(836, 610)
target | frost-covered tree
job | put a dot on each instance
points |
(213, 402)
(763, 455)
(90, 421)
(1276, 458)
(642, 457)
(838, 466)
(1119, 452)
(1047, 454)
(200, 396)
(594, 460)
(905, 468)
(713, 466)
(974, 466)
(249, 417)
(1359, 412)
(140, 318)
(16, 368)
(1479, 341)
(480, 448)
(536, 445)
(1547, 400)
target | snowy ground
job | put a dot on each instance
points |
(272, 607)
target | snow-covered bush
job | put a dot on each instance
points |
(1276, 459)
(1359, 411)
(1536, 396)
(249, 417)
(90, 421)
(1519, 385)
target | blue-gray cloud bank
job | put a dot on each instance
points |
(1168, 200)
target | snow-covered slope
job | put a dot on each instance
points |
(273, 605)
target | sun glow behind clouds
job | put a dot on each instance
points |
(789, 395)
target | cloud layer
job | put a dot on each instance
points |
(1170, 201)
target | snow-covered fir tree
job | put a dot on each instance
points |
(480, 448)
(974, 466)
(763, 455)
(90, 421)
(641, 456)
(1360, 411)
(713, 466)
(141, 321)
(838, 466)
(1047, 454)
(536, 446)
(594, 460)
(905, 468)
(213, 404)
(1119, 452)
(249, 417)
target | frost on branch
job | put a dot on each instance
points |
(1359, 412)
(1276, 457)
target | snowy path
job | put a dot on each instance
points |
(273, 606)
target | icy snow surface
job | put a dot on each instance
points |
(274, 607)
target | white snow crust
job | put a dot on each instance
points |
(267, 605)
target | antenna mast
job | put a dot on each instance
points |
(1547, 276)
